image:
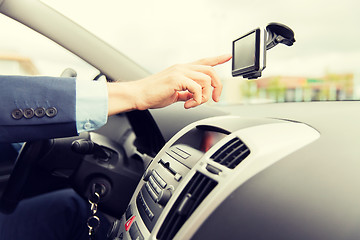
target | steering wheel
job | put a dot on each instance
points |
(13, 193)
(38, 169)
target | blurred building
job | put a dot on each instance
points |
(12, 64)
(331, 87)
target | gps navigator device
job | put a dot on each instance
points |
(249, 51)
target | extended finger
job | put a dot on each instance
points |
(199, 76)
(207, 70)
(213, 61)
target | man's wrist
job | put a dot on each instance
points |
(121, 97)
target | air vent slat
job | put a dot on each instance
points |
(207, 188)
(232, 153)
(173, 219)
(175, 227)
(238, 159)
(197, 178)
(190, 198)
(222, 152)
(198, 188)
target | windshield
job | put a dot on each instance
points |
(322, 65)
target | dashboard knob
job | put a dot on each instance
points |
(85, 146)
(164, 197)
(147, 175)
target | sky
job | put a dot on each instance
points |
(160, 33)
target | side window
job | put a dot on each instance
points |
(26, 52)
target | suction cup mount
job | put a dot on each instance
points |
(279, 33)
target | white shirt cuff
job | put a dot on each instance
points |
(91, 105)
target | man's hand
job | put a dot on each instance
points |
(194, 83)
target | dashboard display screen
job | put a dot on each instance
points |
(246, 53)
(202, 137)
(209, 139)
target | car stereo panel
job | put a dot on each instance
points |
(188, 179)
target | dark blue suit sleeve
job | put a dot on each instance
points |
(34, 108)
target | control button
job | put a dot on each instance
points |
(140, 198)
(147, 174)
(129, 222)
(128, 212)
(164, 197)
(151, 192)
(29, 113)
(157, 177)
(51, 112)
(154, 185)
(142, 201)
(145, 207)
(213, 169)
(180, 153)
(147, 210)
(40, 112)
(178, 177)
(135, 233)
(17, 114)
(149, 213)
(151, 216)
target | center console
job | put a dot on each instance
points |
(199, 168)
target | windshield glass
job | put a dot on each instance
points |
(323, 64)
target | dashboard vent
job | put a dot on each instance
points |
(232, 153)
(191, 197)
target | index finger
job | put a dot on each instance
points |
(213, 61)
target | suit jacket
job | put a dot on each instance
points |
(34, 108)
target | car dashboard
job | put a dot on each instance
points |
(199, 168)
(269, 171)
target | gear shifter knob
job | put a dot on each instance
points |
(84, 146)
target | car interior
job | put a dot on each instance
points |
(270, 171)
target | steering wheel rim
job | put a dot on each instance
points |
(13, 193)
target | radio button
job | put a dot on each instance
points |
(128, 213)
(157, 177)
(129, 223)
(154, 185)
(147, 174)
(135, 232)
(180, 153)
(151, 192)
(178, 177)
(164, 197)
(149, 213)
